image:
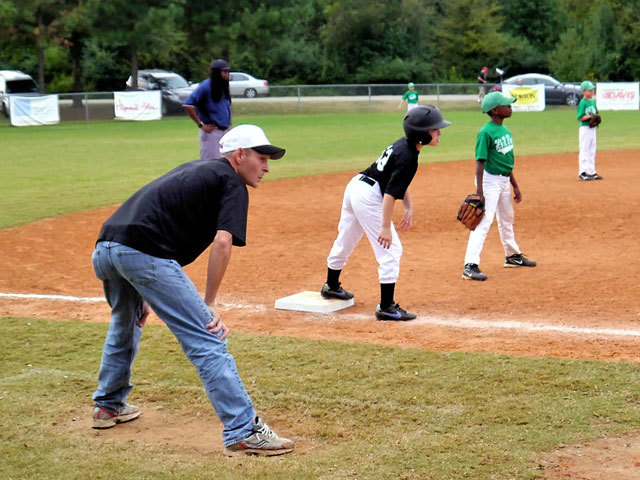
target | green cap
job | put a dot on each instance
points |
(587, 85)
(495, 99)
(410, 84)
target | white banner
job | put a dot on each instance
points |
(40, 110)
(530, 98)
(617, 96)
(138, 105)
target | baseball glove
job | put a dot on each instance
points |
(471, 211)
(595, 120)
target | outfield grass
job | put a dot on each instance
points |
(54, 170)
(371, 412)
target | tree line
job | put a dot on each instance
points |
(94, 45)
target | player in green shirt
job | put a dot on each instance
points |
(587, 135)
(494, 178)
(410, 96)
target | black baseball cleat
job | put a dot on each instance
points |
(394, 313)
(518, 260)
(472, 272)
(585, 177)
(339, 293)
(595, 176)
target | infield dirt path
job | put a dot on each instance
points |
(584, 236)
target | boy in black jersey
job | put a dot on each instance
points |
(367, 208)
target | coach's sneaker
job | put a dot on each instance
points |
(585, 177)
(518, 260)
(595, 176)
(103, 418)
(394, 313)
(263, 441)
(472, 272)
(339, 293)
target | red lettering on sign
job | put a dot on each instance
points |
(618, 95)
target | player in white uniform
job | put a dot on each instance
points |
(587, 135)
(494, 179)
(367, 208)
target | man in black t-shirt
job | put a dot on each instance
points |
(482, 83)
(139, 256)
(367, 208)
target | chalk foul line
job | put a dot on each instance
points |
(467, 323)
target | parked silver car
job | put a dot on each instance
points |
(244, 84)
(555, 92)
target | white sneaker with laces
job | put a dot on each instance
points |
(263, 441)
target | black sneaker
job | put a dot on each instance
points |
(518, 260)
(585, 177)
(340, 293)
(472, 272)
(394, 313)
(595, 176)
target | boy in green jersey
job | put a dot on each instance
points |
(587, 134)
(494, 178)
(410, 96)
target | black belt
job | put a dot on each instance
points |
(369, 180)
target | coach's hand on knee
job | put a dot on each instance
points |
(144, 315)
(216, 325)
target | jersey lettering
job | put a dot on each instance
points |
(504, 144)
(384, 158)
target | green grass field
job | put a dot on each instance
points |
(370, 412)
(75, 166)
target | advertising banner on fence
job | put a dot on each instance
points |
(41, 110)
(617, 96)
(530, 98)
(138, 105)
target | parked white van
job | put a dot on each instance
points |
(15, 82)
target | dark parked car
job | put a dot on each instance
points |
(175, 89)
(555, 92)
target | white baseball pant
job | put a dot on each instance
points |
(587, 156)
(362, 213)
(497, 202)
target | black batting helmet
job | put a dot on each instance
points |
(419, 120)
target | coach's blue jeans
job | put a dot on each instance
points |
(130, 277)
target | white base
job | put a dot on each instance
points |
(311, 302)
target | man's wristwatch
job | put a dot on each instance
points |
(201, 125)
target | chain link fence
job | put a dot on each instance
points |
(90, 106)
(284, 99)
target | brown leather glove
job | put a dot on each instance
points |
(595, 120)
(471, 211)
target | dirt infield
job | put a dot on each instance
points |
(581, 301)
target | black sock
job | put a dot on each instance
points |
(333, 278)
(386, 295)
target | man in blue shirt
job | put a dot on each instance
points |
(209, 105)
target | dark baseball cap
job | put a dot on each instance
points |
(220, 64)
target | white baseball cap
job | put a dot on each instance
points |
(249, 136)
